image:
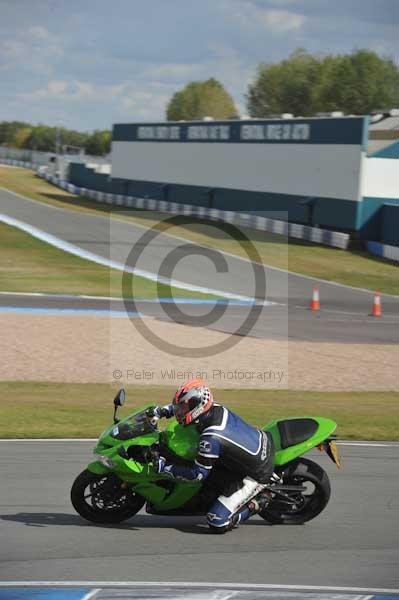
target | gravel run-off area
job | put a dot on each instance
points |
(87, 349)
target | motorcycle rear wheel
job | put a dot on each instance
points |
(309, 504)
(101, 498)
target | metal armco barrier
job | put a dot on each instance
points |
(383, 250)
(253, 221)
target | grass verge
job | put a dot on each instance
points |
(354, 268)
(35, 410)
(30, 265)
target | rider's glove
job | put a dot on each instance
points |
(162, 467)
(153, 411)
(157, 411)
(160, 464)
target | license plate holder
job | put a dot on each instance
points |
(333, 453)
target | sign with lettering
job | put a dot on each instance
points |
(345, 130)
(276, 131)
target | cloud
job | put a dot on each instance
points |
(251, 15)
(172, 71)
(73, 91)
(281, 21)
(125, 60)
(283, 2)
(11, 49)
(33, 50)
(54, 88)
(128, 101)
(40, 33)
(139, 104)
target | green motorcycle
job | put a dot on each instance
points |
(124, 477)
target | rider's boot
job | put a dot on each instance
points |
(254, 506)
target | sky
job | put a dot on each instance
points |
(86, 64)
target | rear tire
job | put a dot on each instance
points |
(309, 504)
(101, 498)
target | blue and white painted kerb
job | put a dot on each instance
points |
(253, 221)
(17, 163)
(46, 593)
(186, 590)
(294, 230)
(102, 312)
(383, 250)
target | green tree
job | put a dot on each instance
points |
(8, 129)
(74, 138)
(358, 83)
(355, 83)
(285, 87)
(98, 143)
(201, 99)
(21, 138)
(43, 138)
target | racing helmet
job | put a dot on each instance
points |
(191, 400)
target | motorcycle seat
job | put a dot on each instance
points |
(295, 431)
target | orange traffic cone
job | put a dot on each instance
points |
(315, 303)
(376, 308)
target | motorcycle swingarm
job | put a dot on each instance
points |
(282, 492)
(286, 488)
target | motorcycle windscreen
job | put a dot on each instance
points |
(132, 427)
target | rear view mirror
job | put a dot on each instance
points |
(119, 399)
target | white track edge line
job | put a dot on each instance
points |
(87, 255)
(59, 296)
(90, 594)
(187, 585)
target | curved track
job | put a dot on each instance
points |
(343, 317)
(353, 543)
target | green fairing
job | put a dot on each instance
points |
(183, 441)
(284, 456)
(97, 468)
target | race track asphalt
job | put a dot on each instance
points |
(344, 316)
(273, 322)
(353, 543)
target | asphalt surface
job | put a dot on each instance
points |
(354, 542)
(344, 316)
(272, 322)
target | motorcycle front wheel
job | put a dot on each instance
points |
(302, 506)
(103, 499)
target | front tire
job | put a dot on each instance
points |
(307, 504)
(102, 499)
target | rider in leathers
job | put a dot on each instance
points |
(225, 439)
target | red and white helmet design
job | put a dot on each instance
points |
(191, 400)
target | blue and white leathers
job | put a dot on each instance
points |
(228, 440)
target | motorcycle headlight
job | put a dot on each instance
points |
(106, 461)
